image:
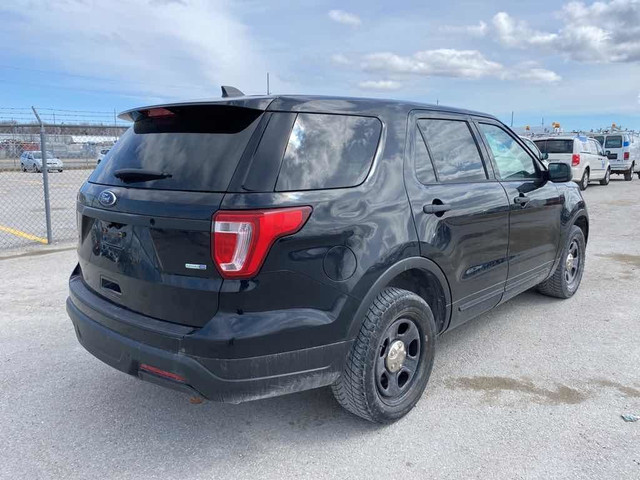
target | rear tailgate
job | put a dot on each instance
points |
(144, 241)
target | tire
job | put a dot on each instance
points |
(565, 281)
(395, 316)
(638, 174)
(22, 167)
(584, 181)
(60, 170)
(628, 175)
(34, 168)
(607, 178)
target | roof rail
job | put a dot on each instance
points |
(228, 91)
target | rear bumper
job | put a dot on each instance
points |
(619, 167)
(125, 340)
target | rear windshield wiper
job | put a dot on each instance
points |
(140, 175)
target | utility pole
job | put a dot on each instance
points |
(268, 92)
(511, 119)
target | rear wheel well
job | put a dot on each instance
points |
(582, 223)
(426, 285)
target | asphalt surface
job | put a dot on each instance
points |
(533, 389)
(22, 212)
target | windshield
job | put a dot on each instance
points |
(38, 155)
(197, 147)
(553, 145)
(614, 141)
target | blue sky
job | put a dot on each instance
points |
(577, 63)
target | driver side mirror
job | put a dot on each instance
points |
(545, 156)
(560, 172)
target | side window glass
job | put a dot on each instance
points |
(596, 147)
(328, 151)
(454, 152)
(512, 161)
(423, 165)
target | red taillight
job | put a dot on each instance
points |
(161, 373)
(626, 155)
(159, 112)
(575, 159)
(241, 239)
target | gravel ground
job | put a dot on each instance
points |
(533, 389)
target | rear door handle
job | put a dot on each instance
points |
(522, 200)
(436, 208)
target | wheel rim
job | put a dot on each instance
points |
(585, 179)
(607, 176)
(398, 361)
(572, 263)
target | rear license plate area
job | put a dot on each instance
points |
(114, 234)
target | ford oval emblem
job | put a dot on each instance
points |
(107, 198)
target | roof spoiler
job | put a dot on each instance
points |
(228, 91)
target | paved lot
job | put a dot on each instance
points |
(22, 218)
(533, 389)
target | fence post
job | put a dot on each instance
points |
(45, 177)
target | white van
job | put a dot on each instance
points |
(623, 151)
(584, 155)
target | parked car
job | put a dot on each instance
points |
(32, 161)
(101, 155)
(583, 154)
(623, 151)
(320, 241)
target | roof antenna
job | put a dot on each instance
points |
(228, 91)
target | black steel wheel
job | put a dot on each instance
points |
(398, 360)
(389, 364)
(568, 273)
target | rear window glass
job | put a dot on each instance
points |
(454, 150)
(613, 142)
(555, 146)
(328, 151)
(198, 146)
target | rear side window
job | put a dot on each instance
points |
(613, 141)
(555, 146)
(199, 147)
(600, 139)
(328, 151)
(453, 149)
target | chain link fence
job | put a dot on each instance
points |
(75, 141)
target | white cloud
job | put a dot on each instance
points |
(602, 32)
(479, 30)
(537, 75)
(174, 53)
(346, 18)
(441, 62)
(340, 59)
(513, 33)
(380, 85)
(457, 64)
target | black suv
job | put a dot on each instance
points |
(248, 247)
